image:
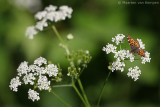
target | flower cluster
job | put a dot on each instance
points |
(146, 58)
(33, 95)
(124, 54)
(118, 39)
(49, 14)
(40, 74)
(78, 61)
(134, 73)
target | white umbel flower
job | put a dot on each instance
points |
(118, 39)
(43, 83)
(41, 24)
(49, 14)
(52, 70)
(130, 55)
(51, 8)
(30, 32)
(15, 82)
(33, 68)
(109, 48)
(59, 16)
(118, 65)
(141, 44)
(134, 73)
(29, 78)
(40, 15)
(37, 70)
(39, 61)
(120, 54)
(67, 11)
(23, 68)
(146, 58)
(33, 95)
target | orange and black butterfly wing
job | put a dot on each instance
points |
(141, 52)
(134, 44)
(135, 47)
(130, 40)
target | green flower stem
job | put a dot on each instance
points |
(61, 40)
(100, 95)
(83, 92)
(75, 88)
(68, 53)
(61, 99)
(57, 34)
(66, 85)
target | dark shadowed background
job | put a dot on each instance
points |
(93, 24)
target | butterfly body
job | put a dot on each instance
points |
(135, 46)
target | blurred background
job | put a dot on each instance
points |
(93, 24)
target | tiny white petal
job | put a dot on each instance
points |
(43, 83)
(118, 65)
(120, 54)
(51, 8)
(29, 78)
(118, 39)
(52, 70)
(134, 73)
(51, 16)
(130, 55)
(40, 15)
(41, 24)
(14, 83)
(67, 11)
(109, 48)
(39, 61)
(146, 58)
(33, 95)
(23, 68)
(141, 44)
(30, 32)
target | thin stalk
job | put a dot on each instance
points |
(100, 96)
(66, 85)
(57, 34)
(75, 88)
(68, 53)
(65, 103)
(83, 92)
(61, 40)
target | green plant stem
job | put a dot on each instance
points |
(57, 34)
(66, 85)
(75, 88)
(100, 95)
(83, 92)
(61, 40)
(68, 53)
(61, 99)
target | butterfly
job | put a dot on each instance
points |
(135, 46)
